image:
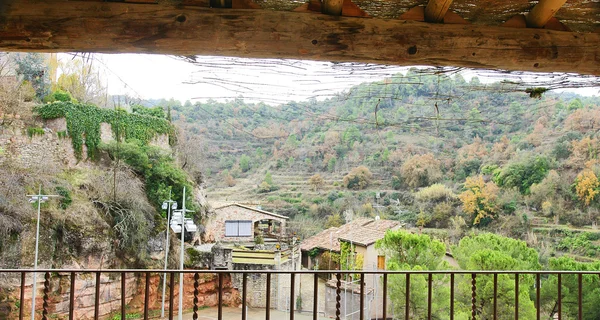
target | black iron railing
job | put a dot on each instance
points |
(336, 280)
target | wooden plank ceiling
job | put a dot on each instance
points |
(549, 36)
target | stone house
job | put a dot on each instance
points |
(242, 224)
(361, 234)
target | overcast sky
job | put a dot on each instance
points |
(272, 81)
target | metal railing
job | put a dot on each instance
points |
(451, 278)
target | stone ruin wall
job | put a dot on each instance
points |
(48, 150)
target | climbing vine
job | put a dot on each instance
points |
(84, 122)
(349, 259)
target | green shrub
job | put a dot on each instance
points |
(159, 170)
(35, 131)
(61, 134)
(359, 178)
(522, 175)
(435, 193)
(65, 200)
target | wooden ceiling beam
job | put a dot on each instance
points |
(67, 26)
(543, 12)
(436, 10)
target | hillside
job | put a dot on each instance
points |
(443, 152)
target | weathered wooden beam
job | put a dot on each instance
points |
(57, 26)
(436, 10)
(542, 12)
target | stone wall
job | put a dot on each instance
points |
(257, 285)
(106, 135)
(48, 150)
(43, 151)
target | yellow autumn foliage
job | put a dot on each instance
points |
(586, 186)
(479, 198)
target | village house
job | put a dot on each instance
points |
(358, 237)
(361, 233)
(234, 222)
(253, 239)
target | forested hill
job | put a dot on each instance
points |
(426, 140)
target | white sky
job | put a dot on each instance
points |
(272, 81)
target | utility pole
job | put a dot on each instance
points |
(168, 204)
(183, 212)
(39, 198)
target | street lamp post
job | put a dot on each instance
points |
(168, 205)
(39, 198)
(183, 212)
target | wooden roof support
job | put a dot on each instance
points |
(542, 12)
(332, 7)
(436, 10)
(110, 27)
(349, 8)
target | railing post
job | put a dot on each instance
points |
(268, 302)
(429, 293)
(473, 296)
(72, 296)
(220, 306)
(97, 297)
(46, 290)
(362, 297)
(559, 296)
(579, 296)
(292, 298)
(385, 296)
(495, 296)
(171, 293)
(516, 296)
(315, 296)
(22, 295)
(452, 296)
(407, 302)
(146, 295)
(538, 284)
(123, 294)
(244, 294)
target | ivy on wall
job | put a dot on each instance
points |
(84, 120)
(349, 259)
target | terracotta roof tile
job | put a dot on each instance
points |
(370, 232)
(362, 231)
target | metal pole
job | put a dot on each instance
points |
(35, 261)
(181, 257)
(162, 308)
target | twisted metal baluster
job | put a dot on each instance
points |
(196, 284)
(46, 290)
(338, 297)
(473, 296)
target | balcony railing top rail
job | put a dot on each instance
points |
(205, 271)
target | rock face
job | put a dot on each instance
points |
(110, 294)
(78, 238)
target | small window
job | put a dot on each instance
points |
(238, 228)
(381, 262)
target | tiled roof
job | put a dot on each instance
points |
(370, 232)
(362, 231)
(224, 205)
